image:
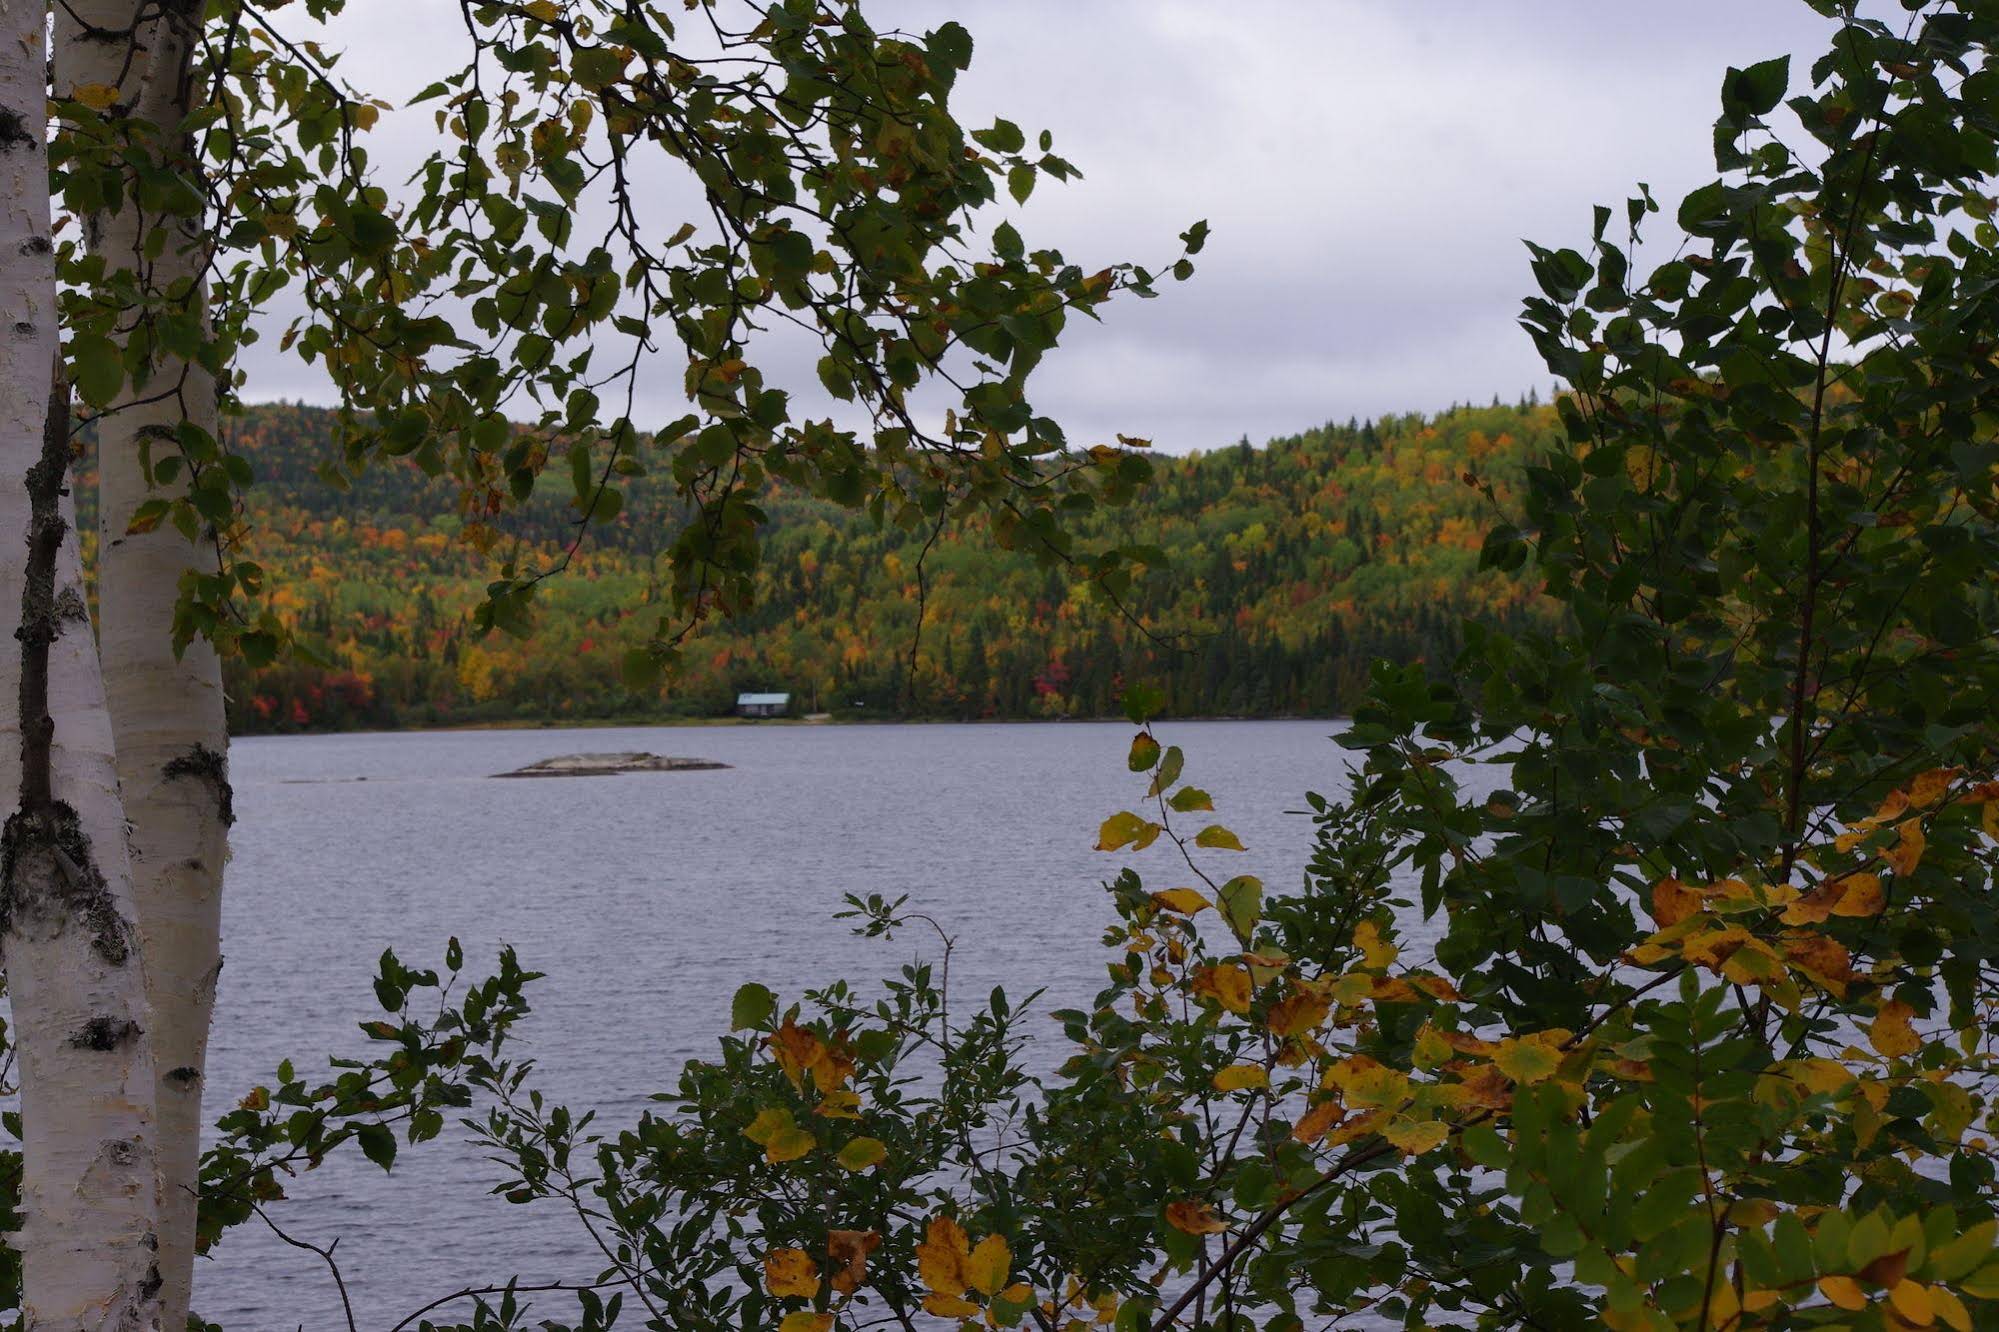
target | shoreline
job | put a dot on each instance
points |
(700, 723)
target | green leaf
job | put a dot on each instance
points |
(951, 45)
(1020, 182)
(1003, 137)
(1218, 838)
(1143, 702)
(378, 1144)
(1746, 93)
(640, 669)
(753, 1007)
(96, 368)
(1241, 904)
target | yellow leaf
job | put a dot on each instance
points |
(1860, 895)
(767, 1123)
(1821, 957)
(989, 1265)
(1711, 947)
(1377, 952)
(1297, 1013)
(1414, 1137)
(1931, 786)
(1126, 829)
(1892, 1032)
(1218, 838)
(789, 1272)
(1368, 1083)
(1240, 1077)
(1194, 1218)
(1912, 1301)
(1431, 1048)
(1226, 985)
(96, 96)
(861, 1153)
(806, 1320)
(942, 1257)
(1353, 988)
(1526, 1061)
(1822, 1076)
(1843, 1291)
(788, 1144)
(949, 1306)
(1393, 990)
(1950, 1309)
(545, 10)
(839, 1105)
(1183, 900)
(1907, 853)
(1754, 963)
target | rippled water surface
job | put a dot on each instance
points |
(648, 898)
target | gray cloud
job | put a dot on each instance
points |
(1368, 167)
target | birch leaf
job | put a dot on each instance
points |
(1218, 838)
(942, 1257)
(989, 1265)
(1194, 1218)
(1241, 1077)
(791, 1273)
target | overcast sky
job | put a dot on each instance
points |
(1368, 168)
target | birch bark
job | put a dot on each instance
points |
(90, 1190)
(166, 710)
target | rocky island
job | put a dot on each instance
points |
(608, 765)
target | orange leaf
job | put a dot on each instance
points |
(1673, 902)
(1297, 1013)
(796, 1049)
(1226, 985)
(1194, 1218)
(1318, 1121)
(1843, 1291)
(1912, 1301)
(849, 1249)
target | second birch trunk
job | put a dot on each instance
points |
(166, 708)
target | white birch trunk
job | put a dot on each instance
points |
(89, 1189)
(166, 711)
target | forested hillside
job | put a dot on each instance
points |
(1294, 565)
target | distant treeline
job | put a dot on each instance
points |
(1293, 566)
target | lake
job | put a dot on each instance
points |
(648, 898)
